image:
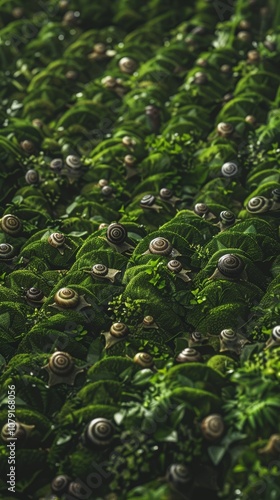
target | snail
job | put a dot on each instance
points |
(273, 446)
(58, 240)
(61, 369)
(153, 115)
(197, 338)
(244, 24)
(102, 225)
(109, 82)
(27, 146)
(18, 431)
(269, 45)
(149, 322)
(116, 235)
(251, 119)
(276, 195)
(99, 432)
(225, 130)
(59, 484)
(274, 339)
(67, 298)
(231, 341)
(161, 246)
(144, 360)
(32, 177)
(103, 272)
(102, 183)
(230, 267)
(129, 162)
(56, 165)
(229, 169)
(37, 123)
(35, 297)
(227, 219)
(178, 475)
(117, 332)
(99, 52)
(200, 78)
(259, 205)
(11, 224)
(212, 427)
(127, 65)
(166, 195)
(70, 18)
(7, 252)
(73, 162)
(244, 36)
(128, 141)
(226, 69)
(253, 56)
(148, 202)
(107, 191)
(176, 267)
(203, 211)
(77, 490)
(189, 355)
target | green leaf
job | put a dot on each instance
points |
(216, 453)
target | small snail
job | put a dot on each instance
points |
(129, 162)
(153, 115)
(273, 446)
(197, 338)
(253, 56)
(109, 82)
(127, 65)
(11, 224)
(117, 332)
(103, 272)
(178, 475)
(102, 225)
(244, 36)
(20, 432)
(189, 355)
(71, 74)
(77, 490)
(259, 205)
(227, 219)
(200, 78)
(128, 141)
(225, 130)
(73, 162)
(203, 210)
(227, 97)
(37, 123)
(67, 298)
(229, 267)
(161, 246)
(176, 267)
(61, 369)
(7, 252)
(274, 339)
(32, 177)
(107, 191)
(244, 24)
(229, 169)
(59, 484)
(102, 183)
(213, 427)
(231, 341)
(56, 165)
(269, 45)
(27, 146)
(167, 195)
(116, 235)
(251, 119)
(35, 297)
(144, 360)
(276, 195)
(149, 322)
(58, 240)
(99, 432)
(148, 202)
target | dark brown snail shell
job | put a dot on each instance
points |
(35, 295)
(73, 162)
(144, 359)
(258, 205)
(225, 129)
(229, 169)
(178, 475)
(227, 218)
(213, 427)
(119, 330)
(116, 233)
(59, 484)
(99, 432)
(7, 252)
(160, 246)
(201, 209)
(189, 355)
(32, 177)
(127, 65)
(174, 266)
(11, 224)
(231, 266)
(61, 369)
(56, 165)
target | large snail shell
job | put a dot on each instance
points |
(99, 270)
(229, 169)
(144, 359)
(174, 266)
(231, 266)
(160, 246)
(178, 475)
(73, 162)
(127, 65)
(258, 205)
(56, 240)
(116, 233)
(6, 251)
(67, 298)
(61, 363)
(148, 200)
(35, 295)
(201, 209)
(109, 82)
(188, 355)
(11, 224)
(60, 484)
(56, 165)
(99, 432)
(225, 129)
(213, 427)
(119, 330)
(228, 336)
(227, 218)
(32, 177)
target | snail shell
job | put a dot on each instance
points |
(253, 56)
(109, 82)
(231, 266)
(274, 339)
(77, 490)
(166, 194)
(35, 295)
(144, 359)
(61, 369)
(102, 182)
(149, 321)
(178, 475)
(258, 205)
(225, 129)
(200, 78)
(227, 218)
(56, 165)
(73, 162)
(229, 169)
(213, 427)
(27, 146)
(32, 177)
(273, 445)
(116, 233)
(56, 240)
(201, 209)
(119, 330)
(196, 337)
(19, 432)
(160, 246)
(127, 65)
(128, 141)
(244, 36)
(99, 270)
(60, 484)
(251, 119)
(147, 200)
(107, 190)
(174, 266)
(99, 48)
(67, 298)
(6, 251)
(129, 160)
(102, 225)
(188, 355)
(276, 195)
(228, 336)
(11, 224)
(99, 432)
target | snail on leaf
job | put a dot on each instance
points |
(212, 427)
(100, 271)
(148, 202)
(117, 332)
(274, 339)
(11, 225)
(176, 267)
(203, 211)
(167, 195)
(115, 236)
(149, 322)
(161, 246)
(229, 267)
(232, 341)
(67, 298)
(34, 297)
(20, 432)
(61, 369)
(58, 241)
(98, 433)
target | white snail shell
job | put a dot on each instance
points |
(60, 484)
(19, 432)
(99, 270)
(213, 427)
(32, 177)
(228, 336)
(258, 205)
(107, 190)
(227, 218)
(178, 475)
(160, 246)
(275, 334)
(188, 355)
(61, 363)
(148, 200)
(127, 65)
(229, 169)
(56, 240)
(6, 251)
(201, 209)
(11, 224)
(99, 432)
(73, 162)
(166, 194)
(56, 164)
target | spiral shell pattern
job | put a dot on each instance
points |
(258, 205)
(99, 270)
(77, 490)
(34, 294)
(61, 363)
(99, 432)
(201, 209)
(187, 355)
(107, 190)
(178, 474)
(160, 246)
(276, 194)
(119, 330)
(275, 334)
(56, 165)
(225, 129)
(213, 427)
(18, 432)
(166, 194)
(116, 233)
(56, 240)
(11, 224)
(148, 320)
(230, 265)
(174, 266)
(227, 218)
(73, 162)
(32, 177)
(196, 337)
(228, 336)
(147, 200)
(229, 169)
(127, 65)
(144, 359)
(6, 251)
(66, 298)
(60, 484)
